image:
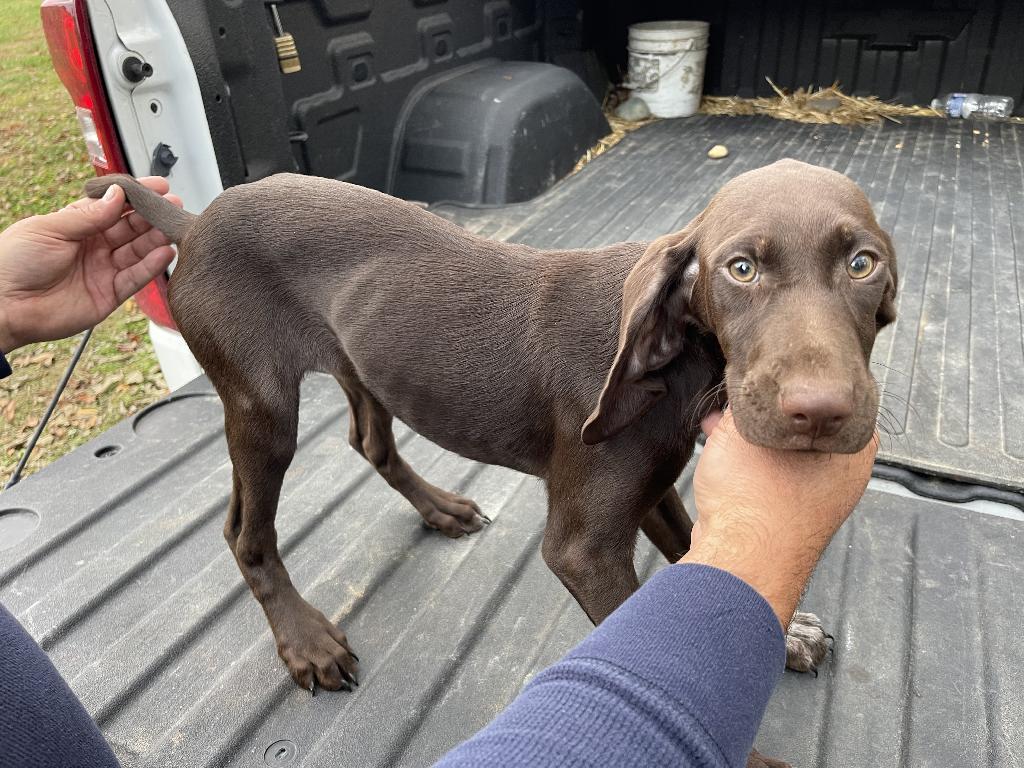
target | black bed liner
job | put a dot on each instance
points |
(128, 585)
(951, 193)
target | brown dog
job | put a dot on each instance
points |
(501, 352)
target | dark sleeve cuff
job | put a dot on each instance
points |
(679, 675)
(708, 640)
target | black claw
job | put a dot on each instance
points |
(312, 688)
(353, 655)
(815, 671)
(485, 518)
(829, 637)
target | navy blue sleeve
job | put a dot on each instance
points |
(679, 675)
(42, 723)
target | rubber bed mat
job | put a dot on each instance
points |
(125, 580)
(951, 193)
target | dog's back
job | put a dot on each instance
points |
(464, 339)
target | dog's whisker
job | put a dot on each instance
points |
(899, 398)
(702, 407)
(882, 422)
(885, 424)
(704, 398)
(886, 427)
(883, 392)
(891, 415)
(890, 426)
(890, 368)
(902, 400)
(888, 409)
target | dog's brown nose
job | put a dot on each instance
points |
(816, 408)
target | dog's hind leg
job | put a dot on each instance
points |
(261, 431)
(668, 526)
(370, 434)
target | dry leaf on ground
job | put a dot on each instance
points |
(107, 383)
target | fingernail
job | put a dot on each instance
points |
(111, 191)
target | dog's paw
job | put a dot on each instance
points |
(315, 650)
(757, 760)
(807, 643)
(451, 514)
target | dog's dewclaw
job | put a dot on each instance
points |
(718, 151)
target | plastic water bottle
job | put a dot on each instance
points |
(974, 105)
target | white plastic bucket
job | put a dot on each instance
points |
(666, 65)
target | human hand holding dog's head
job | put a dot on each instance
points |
(767, 515)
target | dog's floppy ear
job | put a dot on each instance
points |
(655, 311)
(887, 309)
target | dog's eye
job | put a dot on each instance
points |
(742, 270)
(861, 265)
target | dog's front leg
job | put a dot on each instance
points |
(591, 534)
(668, 526)
(261, 441)
(598, 572)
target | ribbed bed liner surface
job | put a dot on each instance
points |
(950, 192)
(128, 585)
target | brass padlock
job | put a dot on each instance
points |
(287, 52)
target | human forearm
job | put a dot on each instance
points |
(778, 568)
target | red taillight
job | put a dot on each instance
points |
(153, 302)
(69, 38)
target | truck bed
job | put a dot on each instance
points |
(128, 585)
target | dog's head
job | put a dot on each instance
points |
(788, 268)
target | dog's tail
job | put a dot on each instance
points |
(161, 213)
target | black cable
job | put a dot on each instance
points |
(31, 444)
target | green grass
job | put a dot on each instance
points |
(42, 155)
(43, 165)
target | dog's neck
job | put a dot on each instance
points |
(701, 375)
(695, 381)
